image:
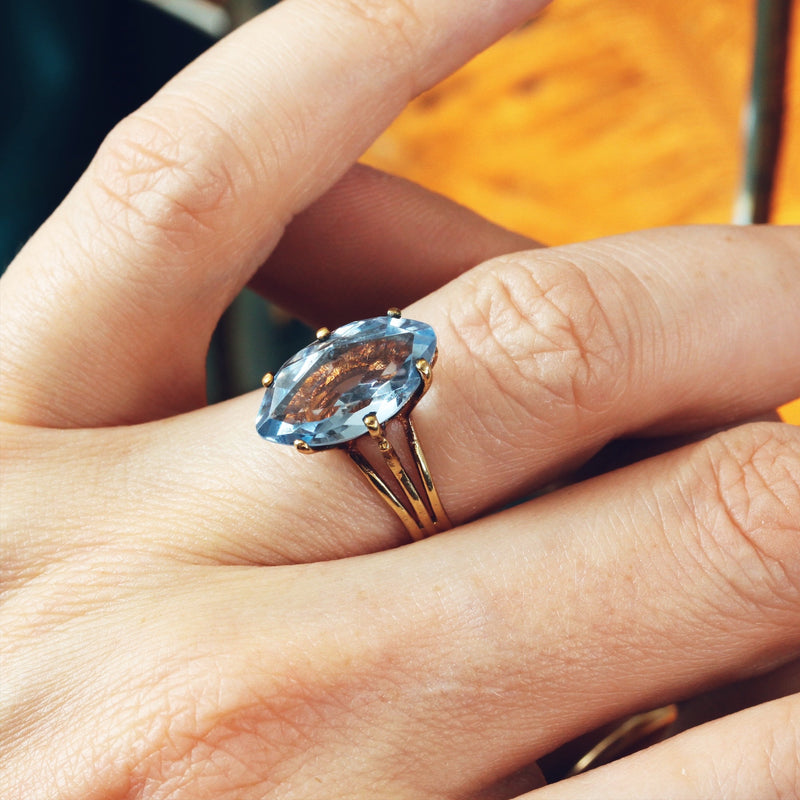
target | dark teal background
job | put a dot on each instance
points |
(71, 69)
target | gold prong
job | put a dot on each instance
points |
(394, 312)
(373, 426)
(303, 447)
(323, 334)
(378, 434)
(424, 369)
(266, 381)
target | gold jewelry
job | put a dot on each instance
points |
(346, 390)
(630, 732)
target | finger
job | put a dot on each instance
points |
(377, 241)
(719, 702)
(638, 588)
(122, 287)
(543, 359)
(753, 753)
(494, 631)
(621, 452)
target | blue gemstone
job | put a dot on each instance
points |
(322, 394)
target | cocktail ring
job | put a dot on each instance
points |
(354, 388)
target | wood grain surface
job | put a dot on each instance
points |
(599, 118)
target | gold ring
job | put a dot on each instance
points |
(354, 388)
(626, 737)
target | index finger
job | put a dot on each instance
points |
(122, 287)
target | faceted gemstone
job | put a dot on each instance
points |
(322, 394)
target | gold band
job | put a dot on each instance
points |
(625, 736)
(418, 507)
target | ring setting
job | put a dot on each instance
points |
(354, 389)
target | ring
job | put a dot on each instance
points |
(630, 735)
(353, 388)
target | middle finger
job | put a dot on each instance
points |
(123, 285)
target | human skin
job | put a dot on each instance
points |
(192, 614)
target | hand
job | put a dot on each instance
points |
(190, 613)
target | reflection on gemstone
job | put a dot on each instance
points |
(322, 394)
(346, 381)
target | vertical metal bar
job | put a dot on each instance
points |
(764, 112)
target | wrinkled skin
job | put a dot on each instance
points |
(192, 614)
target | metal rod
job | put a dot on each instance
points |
(765, 112)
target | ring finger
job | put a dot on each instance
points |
(544, 357)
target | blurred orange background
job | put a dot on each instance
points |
(599, 118)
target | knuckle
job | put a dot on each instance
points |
(395, 22)
(162, 186)
(225, 718)
(542, 333)
(392, 16)
(746, 497)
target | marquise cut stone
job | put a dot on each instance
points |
(322, 394)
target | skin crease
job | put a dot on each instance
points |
(191, 614)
